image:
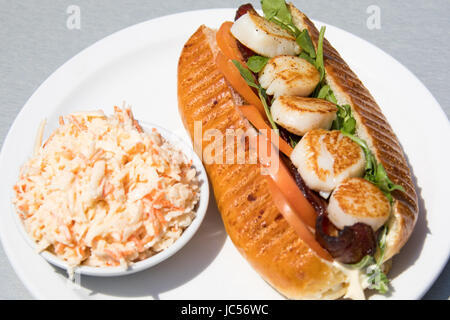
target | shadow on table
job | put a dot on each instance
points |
(183, 266)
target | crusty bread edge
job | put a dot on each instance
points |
(405, 207)
(333, 282)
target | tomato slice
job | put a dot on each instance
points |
(233, 76)
(292, 218)
(252, 114)
(227, 43)
(283, 187)
(286, 183)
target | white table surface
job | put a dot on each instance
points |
(35, 41)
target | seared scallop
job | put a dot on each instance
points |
(358, 200)
(326, 158)
(299, 115)
(289, 76)
(264, 37)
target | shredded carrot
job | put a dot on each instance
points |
(137, 126)
(114, 255)
(80, 126)
(49, 139)
(107, 189)
(138, 243)
(59, 248)
(160, 216)
(96, 156)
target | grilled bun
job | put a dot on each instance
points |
(251, 218)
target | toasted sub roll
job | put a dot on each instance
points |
(251, 218)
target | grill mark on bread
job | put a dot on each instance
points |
(284, 260)
(349, 87)
(388, 141)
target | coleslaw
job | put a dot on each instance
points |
(102, 192)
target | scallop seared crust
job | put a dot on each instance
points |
(300, 115)
(325, 158)
(289, 76)
(358, 200)
(251, 219)
(373, 127)
(264, 37)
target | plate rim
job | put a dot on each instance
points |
(222, 11)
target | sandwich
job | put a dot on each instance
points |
(326, 220)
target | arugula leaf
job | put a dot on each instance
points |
(306, 56)
(257, 63)
(377, 279)
(246, 74)
(375, 276)
(344, 120)
(248, 77)
(304, 41)
(319, 59)
(327, 94)
(278, 12)
(374, 171)
(318, 63)
(382, 245)
(367, 260)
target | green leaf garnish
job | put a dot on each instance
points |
(344, 120)
(305, 56)
(319, 59)
(248, 77)
(304, 41)
(246, 74)
(257, 63)
(374, 171)
(375, 276)
(319, 64)
(278, 12)
(377, 279)
(327, 94)
(382, 245)
(367, 260)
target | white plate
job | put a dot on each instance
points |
(139, 65)
(201, 208)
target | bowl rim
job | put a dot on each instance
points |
(186, 236)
